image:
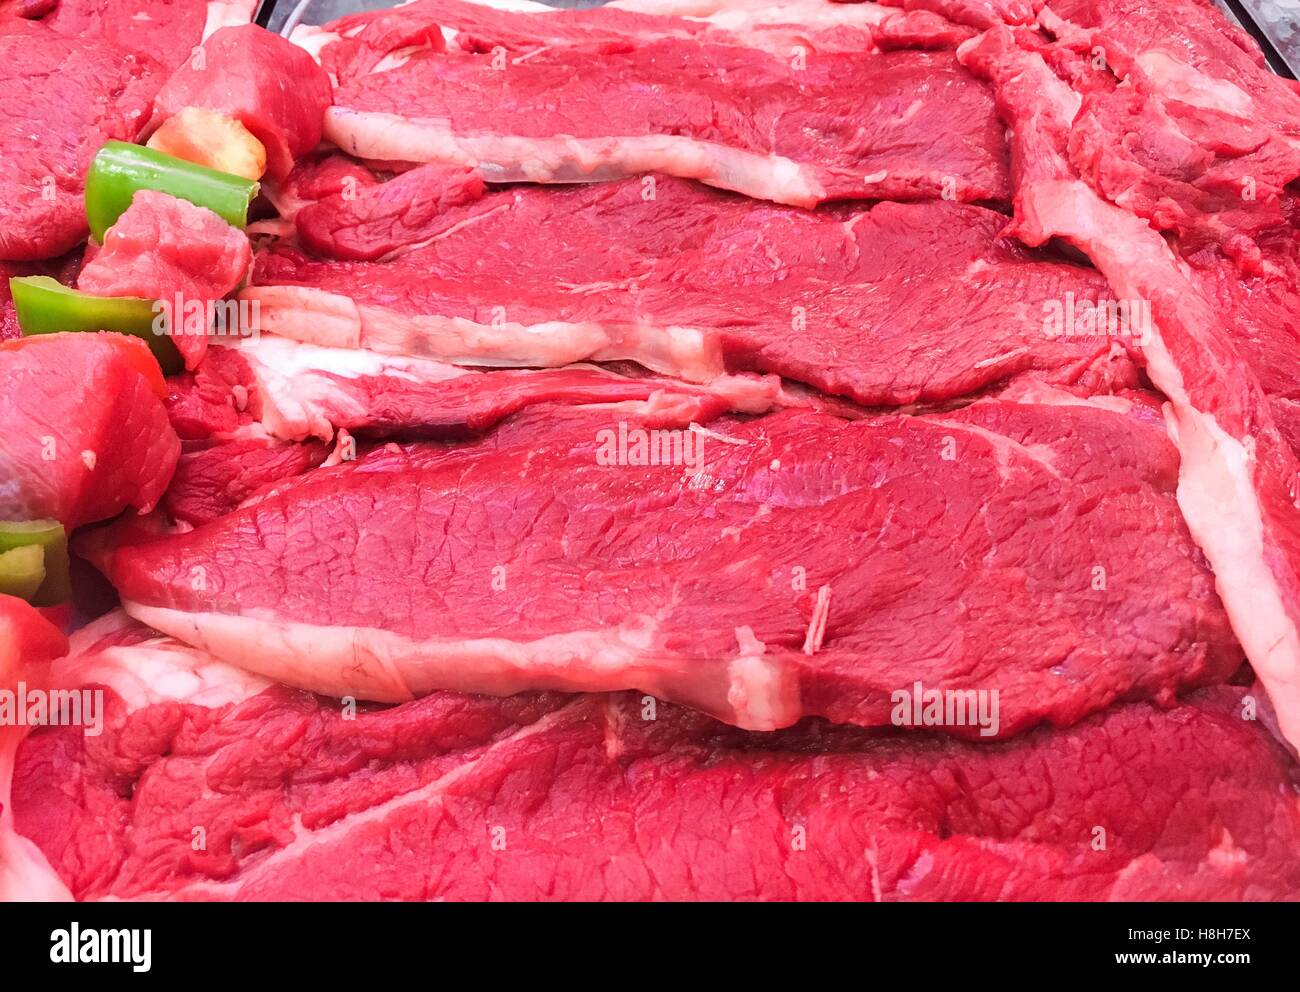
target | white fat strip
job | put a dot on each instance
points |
(511, 158)
(380, 665)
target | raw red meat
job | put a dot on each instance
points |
(27, 9)
(91, 92)
(362, 223)
(789, 29)
(167, 30)
(1076, 535)
(1200, 137)
(1261, 313)
(981, 14)
(99, 64)
(295, 391)
(561, 797)
(166, 249)
(211, 482)
(28, 643)
(356, 44)
(898, 304)
(899, 125)
(85, 431)
(271, 86)
(815, 565)
(1238, 477)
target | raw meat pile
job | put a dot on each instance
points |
(689, 449)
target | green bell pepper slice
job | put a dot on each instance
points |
(50, 539)
(46, 306)
(120, 169)
(22, 571)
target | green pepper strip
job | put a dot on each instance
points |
(45, 306)
(119, 169)
(49, 536)
(22, 571)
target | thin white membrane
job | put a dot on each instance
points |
(332, 320)
(306, 390)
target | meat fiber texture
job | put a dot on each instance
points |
(843, 124)
(804, 567)
(167, 249)
(1180, 121)
(295, 391)
(816, 566)
(247, 405)
(271, 86)
(549, 797)
(86, 433)
(99, 64)
(358, 43)
(365, 223)
(891, 305)
(1262, 312)
(28, 643)
(1237, 476)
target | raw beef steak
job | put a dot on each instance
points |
(614, 797)
(1238, 477)
(759, 570)
(896, 304)
(797, 130)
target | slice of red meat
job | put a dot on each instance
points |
(920, 29)
(213, 400)
(364, 223)
(317, 177)
(1200, 137)
(1262, 313)
(896, 304)
(295, 391)
(787, 29)
(85, 430)
(896, 125)
(214, 481)
(980, 14)
(1238, 475)
(589, 797)
(167, 30)
(816, 566)
(271, 86)
(28, 643)
(356, 44)
(90, 92)
(167, 249)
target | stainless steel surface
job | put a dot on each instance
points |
(1279, 22)
(323, 11)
